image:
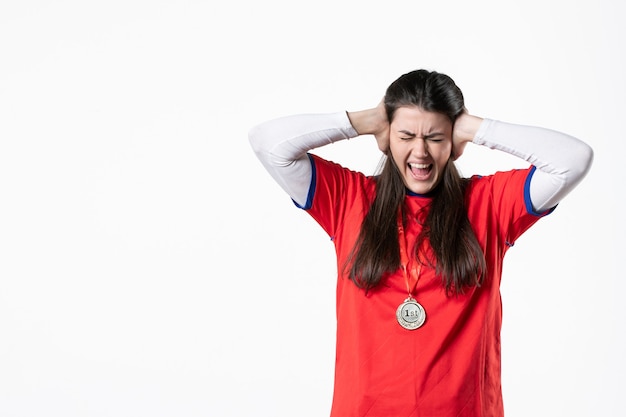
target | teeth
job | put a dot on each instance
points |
(419, 166)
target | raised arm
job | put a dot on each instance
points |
(562, 161)
(282, 145)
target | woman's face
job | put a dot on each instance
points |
(421, 144)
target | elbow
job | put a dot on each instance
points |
(255, 139)
(579, 160)
(264, 147)
(584, 154)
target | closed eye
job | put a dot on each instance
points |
(435, 137)
(406, 135)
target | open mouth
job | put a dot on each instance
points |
(420, 171)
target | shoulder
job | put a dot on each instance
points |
(504, 193)
(340, 174)
(512, 181)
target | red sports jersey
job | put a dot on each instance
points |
(451, 365)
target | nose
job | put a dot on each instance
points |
(420, 149)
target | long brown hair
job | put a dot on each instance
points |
(459, 259)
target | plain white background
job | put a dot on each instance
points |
(150, 267)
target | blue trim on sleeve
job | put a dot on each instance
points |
(527, 202)
(309, 197)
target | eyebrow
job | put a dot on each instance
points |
(429, 136)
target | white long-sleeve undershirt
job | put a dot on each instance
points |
(562, 161)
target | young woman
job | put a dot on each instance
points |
(419, 249)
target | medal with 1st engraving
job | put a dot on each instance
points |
(410, 314)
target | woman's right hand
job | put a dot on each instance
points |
(372, 122)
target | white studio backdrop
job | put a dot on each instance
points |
(149, 266)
